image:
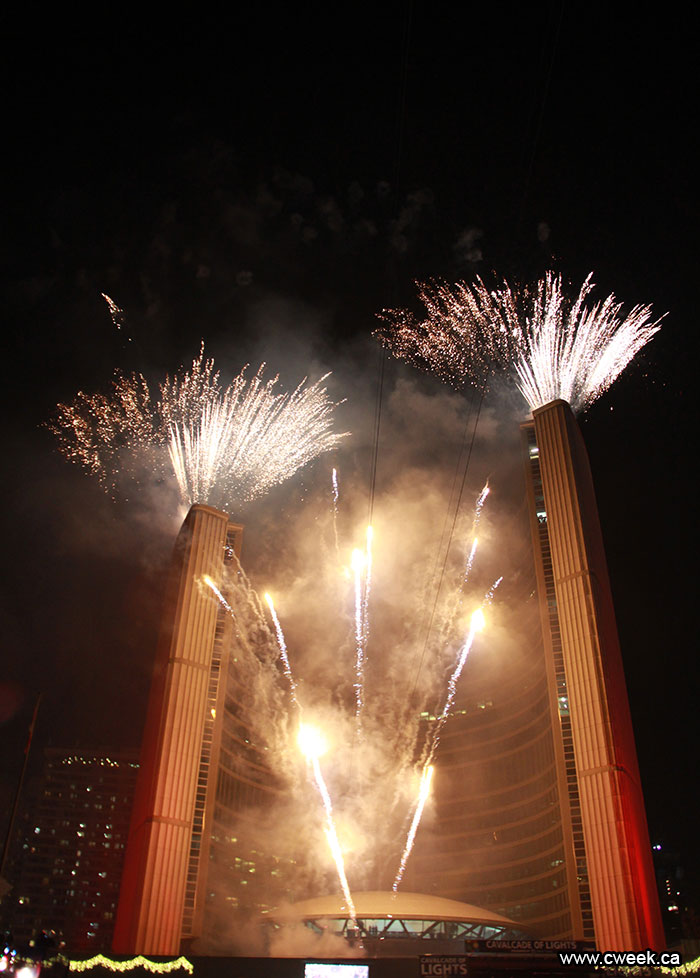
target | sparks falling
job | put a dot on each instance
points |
(282, 645)
(368, 579)
(363, 748)
(488, 597)
(224, 603)
(313, 746)
(453, 610)
(362, 568)
(476, 624)
(423, 792)
(481, 499)
(470, 559)
(225, 445)
(334, 484)
(552, 345)
(357, 566)
(115, 312)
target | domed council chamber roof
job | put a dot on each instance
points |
(381, 913)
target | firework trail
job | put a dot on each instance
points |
(117, 315)
(476, 625)
(210, 584)
(312, 746)
(245, 600)
(456, 601)
(553, 345)
(334, 483)
(362, 568)
(423, 792)
(225, 445)
(368, 580)
(479, 505)
(250, 613)
(282, 645)
(357, 567)
(488, 597)
(470, 561)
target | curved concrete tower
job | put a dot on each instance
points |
(152, 896)
(610, 838)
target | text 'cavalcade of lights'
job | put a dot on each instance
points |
(224, 445)
(555, 345)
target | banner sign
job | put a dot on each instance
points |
(528, 946)
(443, 965)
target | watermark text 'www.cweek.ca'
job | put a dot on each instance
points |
(621, 959)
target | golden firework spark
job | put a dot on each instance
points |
(423, 792)
(225, 445)
(313, 745)
(282, 646)
(476, 624)
(554, 345)
(362, 568)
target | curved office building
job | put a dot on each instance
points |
(498, 840)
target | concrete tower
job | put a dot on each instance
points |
(596, 753)
(168, 806)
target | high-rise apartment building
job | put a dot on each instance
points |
(70, 866)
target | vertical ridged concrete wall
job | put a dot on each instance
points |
(565, 763)
(149, 916)
(623, 890)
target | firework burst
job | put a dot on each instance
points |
(371, 768)
(312, 745)
(224, 445)
(116, 313)
(423, 792)
(554, 346)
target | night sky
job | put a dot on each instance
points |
(270, 181)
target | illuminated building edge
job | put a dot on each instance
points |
(613, 821)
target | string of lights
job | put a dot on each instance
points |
(689, 968)
(155, 967)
